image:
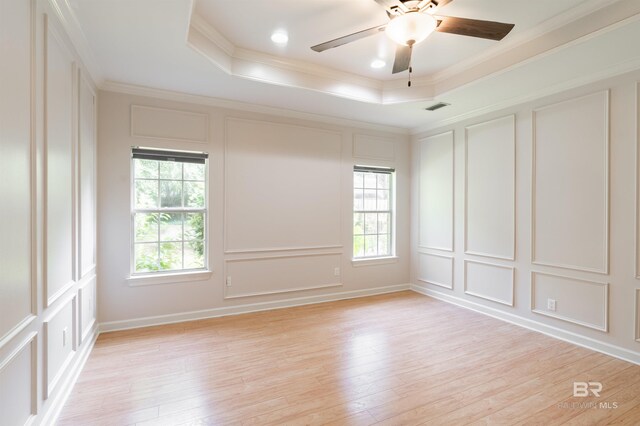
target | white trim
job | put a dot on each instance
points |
(482, 296)
(168, 278)
(356, 263)
(638, 315)
(57, 403)
(557, 333)
(362, 137)
(533, 96)
(637, 175)
(453, 189)
(225, 156)
(136, 107)
(30, 340)
(605, 287)
(84, 82)
(277, 249)
(51, 32)
(577, 25)
(452, 259)
(9, 335)
(246, 308)
(466, 194)
(607, 196)
(34, 162)
(136, 90)
(50, 385)
(288, 290)
(82, 336)
(77, 37)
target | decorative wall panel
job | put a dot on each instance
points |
(436, 192)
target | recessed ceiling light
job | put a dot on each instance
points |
(378, 63)
(279, 37)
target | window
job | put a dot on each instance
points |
(169, 213)
(372, 212)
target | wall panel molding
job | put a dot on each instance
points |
(573, 124)
(86, 243)
(86, 308)
(57, 358)
(373, 147)
(60, 140)
(284, 249)
(440, 267)
(18, 168)
(509, 300)
(15, 331)
(593, 292)
(436, 223)
(532, 324)
(637, 165)
(252, 273)
(638, 315)
(318, 163)
(31, 342)
(492, 234)
(169, 124)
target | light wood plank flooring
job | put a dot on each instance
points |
(397, 359)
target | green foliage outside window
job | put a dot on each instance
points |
(172, 240)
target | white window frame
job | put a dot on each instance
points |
(384, 258)
(175, 275)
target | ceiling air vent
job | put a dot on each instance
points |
(437, 106)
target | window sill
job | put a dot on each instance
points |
(156, 279)
(374, 261)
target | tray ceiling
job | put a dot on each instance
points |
(222, 49)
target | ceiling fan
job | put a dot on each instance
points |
(412, 21)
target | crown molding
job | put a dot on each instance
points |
(66, 16)
(130, 89)
(572, 26)
(611, 72)
(515, 42)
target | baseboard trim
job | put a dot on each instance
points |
(110, 326)
(50, 416)
(557, 333)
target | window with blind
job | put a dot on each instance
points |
(372, 212)
(169, 211)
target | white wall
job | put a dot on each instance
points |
(543, 208)
(296, 174)
(47, 220)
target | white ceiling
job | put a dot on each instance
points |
(249, 24)
(155, 44)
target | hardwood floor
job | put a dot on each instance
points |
(397, 359)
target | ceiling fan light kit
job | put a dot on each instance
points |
(411, 28)
(412, 21)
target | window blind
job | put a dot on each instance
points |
(175, 156)
(371, 169)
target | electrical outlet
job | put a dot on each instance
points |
(228, 281)
(336, 272)
(551, 305)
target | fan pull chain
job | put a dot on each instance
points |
(410, 67)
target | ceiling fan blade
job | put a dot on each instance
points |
(403, 59)
(473, 27)
(348, 38)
